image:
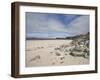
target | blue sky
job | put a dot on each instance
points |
(50, 25)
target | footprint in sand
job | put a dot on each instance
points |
(35, 58)
(61, 62)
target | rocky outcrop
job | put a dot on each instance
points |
(79, 47)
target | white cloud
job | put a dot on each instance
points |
(41, 23)
(36, 22)
(56, 25)
(79, 25)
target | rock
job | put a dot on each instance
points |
(57, 54)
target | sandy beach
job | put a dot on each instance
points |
(44, 53)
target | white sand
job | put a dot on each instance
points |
(42, 53)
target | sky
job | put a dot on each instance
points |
(51, 25)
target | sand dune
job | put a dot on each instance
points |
(46, 53)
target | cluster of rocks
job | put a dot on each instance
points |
(79, 47)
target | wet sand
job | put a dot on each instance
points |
(43, 53)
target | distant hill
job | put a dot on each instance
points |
(72, 37)
(85, 36)
(40, 38)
